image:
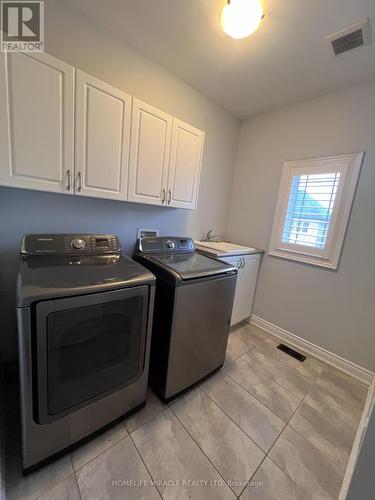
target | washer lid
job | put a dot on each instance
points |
(42, 278)
(193, 265)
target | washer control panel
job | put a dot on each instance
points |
(165, 244)
(70, 244)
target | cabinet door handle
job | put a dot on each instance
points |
(163, 196)
(169, 196)
(79, 189)
(69, 176)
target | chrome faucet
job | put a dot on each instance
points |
(209, 236)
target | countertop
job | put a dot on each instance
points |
(216, 252)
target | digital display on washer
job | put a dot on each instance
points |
(102, 242)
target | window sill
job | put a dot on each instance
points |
(305, 259)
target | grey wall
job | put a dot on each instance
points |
(76, 40)
(362, 486)
(334, 310)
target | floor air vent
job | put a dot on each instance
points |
(350, 38)
(291, 352)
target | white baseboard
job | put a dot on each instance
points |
(360, 373)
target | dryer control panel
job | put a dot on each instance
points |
(70, 244)
(165, 244)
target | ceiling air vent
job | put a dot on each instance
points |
(350, 38)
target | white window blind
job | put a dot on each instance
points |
(313, 208)
(310, 205)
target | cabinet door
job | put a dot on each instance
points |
(149, 154)
(102, 138)
(246, 284)
(248, 268)
(185, 165)
(37, 116)
(237, 262)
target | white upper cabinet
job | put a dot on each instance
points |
(149, 154)
(103, 116)
(184, 165)
(64, 131)
(37, 117)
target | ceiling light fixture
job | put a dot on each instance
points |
(240, 18)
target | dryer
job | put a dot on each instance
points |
(84, 315)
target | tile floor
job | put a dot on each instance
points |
(266, 427)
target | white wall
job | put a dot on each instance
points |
(334, 310)
(76, 40)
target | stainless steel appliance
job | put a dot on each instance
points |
(84, 329)
(193, 306)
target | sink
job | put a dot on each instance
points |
(224, 247)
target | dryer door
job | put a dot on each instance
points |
(87, 347)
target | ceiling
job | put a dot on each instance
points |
(285, 61)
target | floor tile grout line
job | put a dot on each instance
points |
(303, 437)
(196, 442)
(149, 420)
(272, 377)
(227, 414)
(116, 442)
(286, 474)
(75, 478)
(278, 438)
(265, 375)
(344, 410)
(284, 362)
(286, 425)
(144, 463)
(77, 483)
(254, 396)
(310, 356)
(295, 430)
(230, 418)
(320, 451)
(54, 485)
(289, 425)
(96, 456)
(256, 470)
(286, 365)
(339, 399)
(249, 342)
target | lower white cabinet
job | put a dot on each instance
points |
(102, 138)
(36, 122)
(248, 269)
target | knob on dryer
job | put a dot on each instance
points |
(169, 244)
(78, 244)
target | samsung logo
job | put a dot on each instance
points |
(44, 239)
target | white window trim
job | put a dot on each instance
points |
(349, 167)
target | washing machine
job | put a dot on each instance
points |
(193, 307)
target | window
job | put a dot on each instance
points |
(313, 208)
